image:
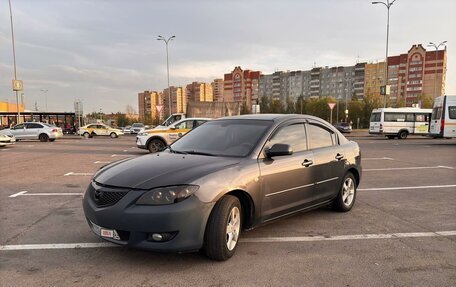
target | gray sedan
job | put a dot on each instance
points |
(227, 175)
(34, 131)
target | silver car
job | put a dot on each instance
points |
(34, 131)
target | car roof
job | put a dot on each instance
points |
(271, 117)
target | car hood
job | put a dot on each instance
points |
(162, 169)
(6, 132)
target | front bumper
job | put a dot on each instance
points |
(136, 223)
(141, 141)
(56, 135)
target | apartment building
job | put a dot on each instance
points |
(241, 86)
(217, 90)
(148, 102)
(374, 78)
(178, 100)
(199, 92)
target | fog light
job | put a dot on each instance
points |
(157, 237)
(162, 236)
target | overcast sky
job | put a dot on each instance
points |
(105, 52)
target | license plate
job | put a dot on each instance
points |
(104, 232)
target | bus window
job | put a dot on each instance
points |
(409, 117)
(375, 117)
(452, 112)
(422, 118)
(394, 117)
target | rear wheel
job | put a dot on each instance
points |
(402, 135)
(86, 135)
(113, 135)
(155, 145)
(223, 229)
(347, 194)
(43, 137)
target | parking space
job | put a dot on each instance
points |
(401, 232)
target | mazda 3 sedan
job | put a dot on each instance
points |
(228, 175)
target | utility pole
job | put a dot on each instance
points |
(161, 38)
(435, 70)
(17, 85)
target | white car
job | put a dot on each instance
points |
(34, 131)
(6, 140)
(158, 138)
(99, 130)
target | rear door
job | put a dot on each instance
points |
(32, 130)
(374, 124)
(287, 181)
(329, 160)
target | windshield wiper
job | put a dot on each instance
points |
(198, 152)
(176, 151)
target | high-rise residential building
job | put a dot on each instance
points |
(374, 76)
(242, 86)
(147, 104)
(217, 90)
(414, 74)
(337, 82)
(199, 92)
(178, 100)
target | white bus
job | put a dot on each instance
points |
(399, 122)
(443, 120)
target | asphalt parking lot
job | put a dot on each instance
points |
(401, 232)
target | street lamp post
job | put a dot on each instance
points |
(435, 71)
(14, 62)
(388, 5)
(161, 38)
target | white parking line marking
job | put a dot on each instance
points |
(18, 194)
(350, 237)
(56, 246)
(25, 193)
(101, 162)
(407, 187)
(244, 240)
(408, 168)
(378, 158)
(78, 174)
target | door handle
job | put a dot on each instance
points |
(339, 156)
(307, 163)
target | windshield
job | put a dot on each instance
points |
(375, 117)
(235, 138)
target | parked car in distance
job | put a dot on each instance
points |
(227, 175)
(91, 130)
(127, 130)
(137, 128)
(158, 138)
(343, 127)
(34, 131)
(6, 140)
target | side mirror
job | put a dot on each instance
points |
(279, 150)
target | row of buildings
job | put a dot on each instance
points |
(410, 75)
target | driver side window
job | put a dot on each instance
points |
(293, 135)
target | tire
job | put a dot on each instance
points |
(390, 137)
(223, 229)
(113, 135)
(402, 135)
(43, 137)
(344, 202)
(86, 135)
(51, 140)
(155, 145)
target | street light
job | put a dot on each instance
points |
(45, 99)
(435, 71)
(161, 38)
(14, 62)
(388, 5)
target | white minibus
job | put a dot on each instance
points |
(443, 119)
(399, 122)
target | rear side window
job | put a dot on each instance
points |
(422, 118)
(375, 117)
(33, 126)
(185, 125)
(92, 127)
(320, 137)
(394, 117)
(293, 135)
(452, 112)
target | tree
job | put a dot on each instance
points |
(244, 108)
(290, 109)
(122, 120)
(265, 105)
(277, 107)
(426, 102)
(130, 110)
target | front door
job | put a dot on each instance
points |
(287, 181)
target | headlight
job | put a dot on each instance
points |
(142, 134)
(167, 195)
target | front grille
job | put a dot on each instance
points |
(103, 196)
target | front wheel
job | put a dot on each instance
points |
(347, 194)
(113, 135)
(155, 145)
(223, 229)
(86, 135)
